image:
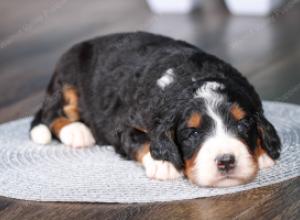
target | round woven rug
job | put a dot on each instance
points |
(57, 173)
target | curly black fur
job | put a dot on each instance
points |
(116, 78)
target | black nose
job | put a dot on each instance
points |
(225, 162)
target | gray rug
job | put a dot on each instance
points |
(57, 173)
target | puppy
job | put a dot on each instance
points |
(162, 102)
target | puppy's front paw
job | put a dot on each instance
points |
(264, 161)
(76, 135)
(159, 169)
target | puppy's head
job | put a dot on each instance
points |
(217, 140)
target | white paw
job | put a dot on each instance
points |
(40, 134)
(264, 161)
(76, 135)
(159, 169)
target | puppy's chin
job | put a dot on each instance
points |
(225, 181)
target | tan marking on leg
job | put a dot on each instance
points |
(71, 112)
(189, 168)
(58, 124)
(259, 151)
(194, 120)
(237, 112)
(142, 151)
(71, 102)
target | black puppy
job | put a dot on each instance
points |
(162, 102)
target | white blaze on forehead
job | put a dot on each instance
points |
(209, 92)
(166, 79)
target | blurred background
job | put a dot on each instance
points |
(261, 38)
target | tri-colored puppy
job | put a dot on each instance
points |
(162, 102)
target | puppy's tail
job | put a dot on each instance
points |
(39, 132)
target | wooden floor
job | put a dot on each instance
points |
(267, 50)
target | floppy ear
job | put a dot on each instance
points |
(269, 138)
(163, 147)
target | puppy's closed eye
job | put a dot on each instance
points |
(244, 125)
(189, 132)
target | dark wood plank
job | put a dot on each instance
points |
(277, 201)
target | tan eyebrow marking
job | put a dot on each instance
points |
(194, 120)
(237, 112)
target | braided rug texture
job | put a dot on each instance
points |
(97, 174)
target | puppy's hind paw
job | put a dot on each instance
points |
(41, 134)
(76, 135)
